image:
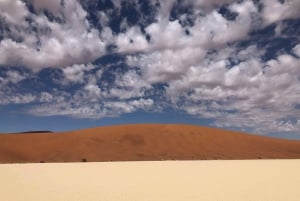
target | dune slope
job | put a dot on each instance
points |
(142, 142)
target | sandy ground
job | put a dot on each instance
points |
(248, 180)
(143, 142)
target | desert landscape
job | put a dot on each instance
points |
(143, 142)
(146, 162)
(134, 100)
(246, 180)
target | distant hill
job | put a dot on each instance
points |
(143, 142)
(35, 132)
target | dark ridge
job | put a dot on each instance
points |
(35, 132)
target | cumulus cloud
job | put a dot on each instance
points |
(53, 44)
(76, 72)
(54, 6)
(131, 41)
(92, 97)
(171, 52)
(18, 99)
(79, 107)
(12, 76)
(202, 4)
(13, 11)
(275, 11)
(252, 94)
(250, 91)
(297, 50)
(209, 31)
(127, 86)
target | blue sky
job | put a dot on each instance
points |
(67, 64)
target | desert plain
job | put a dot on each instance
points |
(230, 180)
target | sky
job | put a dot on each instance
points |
(74, 64)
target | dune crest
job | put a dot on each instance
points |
(143, 142)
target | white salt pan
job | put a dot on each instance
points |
(249, 180)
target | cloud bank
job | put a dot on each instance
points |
(236, 63)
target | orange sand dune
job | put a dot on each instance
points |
(142, 142)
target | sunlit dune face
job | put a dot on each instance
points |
(143, 142)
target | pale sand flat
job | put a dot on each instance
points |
(249, 180)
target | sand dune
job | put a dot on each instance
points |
(142, 142)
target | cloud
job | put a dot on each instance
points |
(89, 109)
(254, 95)
(46, 97)
(53, 44)
(54, 6)
(12, 76)
(207, 84)
(132, 41)
(167, 65)
(91, 97)
(297, 50)
(76, 72)
(186, 56)
(128, 86)
(171, 51)
(19, 99)
(201, 4)
(13, 11)
(275, 11)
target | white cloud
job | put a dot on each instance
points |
(283, 64)
(259, 94)
(127, 86)
(210, 31)
(94, 92)
(118, 108)
(17, 99)
(171, 52)
(13, 11)
(46, 97)
(249, 95)
(53, 6)
(165, 8)
(75, 73)
(65, 109)
(297, 50)
(131, 41)
(275, 11)
(81, 108)
(107, 35)
(125, 95)
(167, 65)
(73, 42)
(12, 77)
(203, 4)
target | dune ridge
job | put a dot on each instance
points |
(35, 132)
(143, 142)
